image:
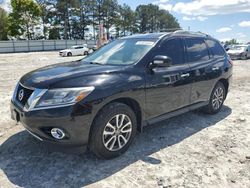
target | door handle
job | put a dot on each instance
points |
(185, 75)
(215, 68)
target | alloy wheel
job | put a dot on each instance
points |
(218, 98)
(117, 132)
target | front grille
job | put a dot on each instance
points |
(23, 94)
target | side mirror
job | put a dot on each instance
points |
(161, 61)
(246, 50)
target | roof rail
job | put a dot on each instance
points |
(170, 30)
(191, 32)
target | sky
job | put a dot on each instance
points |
(222, 19)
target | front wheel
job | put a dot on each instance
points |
(217, 98)
(244, 57)
(113, 131)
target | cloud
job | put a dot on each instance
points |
(163, 4)
(241, 35)
(244, 24)
(167, 7)
(188, 18)
(208, 7)
(223, 29)
(199, 18)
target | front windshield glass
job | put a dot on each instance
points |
(121, 52)
(237, 47)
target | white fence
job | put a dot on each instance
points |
(40, 45)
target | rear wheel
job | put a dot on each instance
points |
(86, 53)
(217, 98)
(244, 57)
(113, 130)
(69, 54)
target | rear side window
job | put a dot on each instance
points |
(215, 48)
(173, 48)
(196, 50)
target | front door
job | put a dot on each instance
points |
(168, 88)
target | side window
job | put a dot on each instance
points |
(196, 50)
(173, 48)
(216, 49)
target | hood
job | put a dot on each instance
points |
(50, 75)
(235, 51)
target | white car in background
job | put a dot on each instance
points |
(239, 52)
(75, 50)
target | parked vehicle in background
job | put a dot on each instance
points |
(226, 47)
(239, 52)
(103, 99)
(75, 50)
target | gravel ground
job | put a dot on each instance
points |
(191, 150)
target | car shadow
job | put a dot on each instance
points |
(29, 163)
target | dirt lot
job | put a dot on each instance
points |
(191, 150)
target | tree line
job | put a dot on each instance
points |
(74, 19)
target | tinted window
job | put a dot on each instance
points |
(216, 49)
(173, 48)
(79, 47)
(196, 50)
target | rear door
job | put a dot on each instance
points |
(205, 68)
(168, 88)
(79, 50)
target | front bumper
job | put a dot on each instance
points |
(70, 119)
(235, 56)
(62, 54)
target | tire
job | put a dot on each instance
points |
(216, 103)
(69, 54)
(244, 57)
(105, 140)
(86, 53)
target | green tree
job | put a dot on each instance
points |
(3, 24)
(126, 22)
(49, 18)
(150, 18)
(24, 17)
(110, 13)
(231, 42)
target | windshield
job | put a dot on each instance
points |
(121, 52)
(237, 47)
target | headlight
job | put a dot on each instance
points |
(59, 97)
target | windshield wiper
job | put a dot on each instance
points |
(97, 63)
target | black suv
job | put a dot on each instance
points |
(103, 99)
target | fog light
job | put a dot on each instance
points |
(57, 133)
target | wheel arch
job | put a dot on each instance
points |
(132, 103)
(225, 82)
